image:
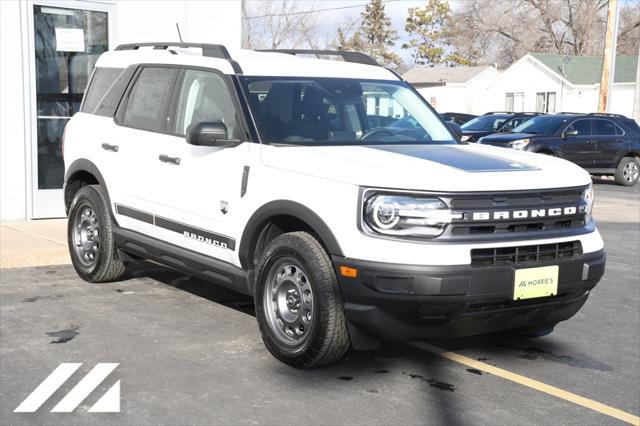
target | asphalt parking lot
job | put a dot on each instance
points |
(190, 353)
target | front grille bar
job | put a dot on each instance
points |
(520, 255)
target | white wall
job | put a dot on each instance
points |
(470, 97)
(201, 21)
(13, 185)
(214, 21)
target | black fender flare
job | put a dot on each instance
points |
(84, 165)
(288, 208)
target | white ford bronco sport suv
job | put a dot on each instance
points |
(329, 190)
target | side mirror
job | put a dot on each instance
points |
(506, 129)
(570, 133)
(455, 128)
(210, 133)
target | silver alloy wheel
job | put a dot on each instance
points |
(288, 302)
(86, 235)
(631, 171)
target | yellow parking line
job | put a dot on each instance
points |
(534, 384)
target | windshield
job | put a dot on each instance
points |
(542, 125)
(485, 123)
(324, 111)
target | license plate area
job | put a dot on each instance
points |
(530, 283)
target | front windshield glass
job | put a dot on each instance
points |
(542, 125)
(325, 111)
(484, 123)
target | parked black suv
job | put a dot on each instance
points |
(457, 117)
(493, 122)
(603, 144)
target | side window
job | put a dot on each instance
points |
(148, 104)
(205, 97)
(102, 79)
(606, 128)
(582, 126)
(109, 102)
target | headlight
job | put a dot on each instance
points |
(588, 195)
(465, 138)
(519, 144)
(404, 215)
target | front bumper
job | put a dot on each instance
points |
(408, 302)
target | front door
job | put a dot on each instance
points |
(579, 148)
(66, 38)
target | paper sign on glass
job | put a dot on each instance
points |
(70, 39)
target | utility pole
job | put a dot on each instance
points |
(609, 57)
(636, 98)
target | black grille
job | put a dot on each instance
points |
(525, 254)
(519, 201)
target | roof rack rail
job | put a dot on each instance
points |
(569, 112)
(208, 50)
(355, 57)
(606, 114)
(499, 112)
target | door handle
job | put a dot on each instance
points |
(171, 160)
(109, 147)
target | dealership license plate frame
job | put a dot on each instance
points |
(532, 283)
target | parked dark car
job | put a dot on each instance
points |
(493, 122)
(603, 144)
(457, 117)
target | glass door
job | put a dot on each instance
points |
(66, 40)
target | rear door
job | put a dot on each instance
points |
(579, 148)
(609, 142)
(143, 118)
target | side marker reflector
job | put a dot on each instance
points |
(349, 272)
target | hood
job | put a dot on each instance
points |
(475, 132)
(507, 137)
(455, 168)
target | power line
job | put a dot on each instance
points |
(270, 15)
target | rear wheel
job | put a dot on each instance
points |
(298, 303)
(628, 171)
(89, 234)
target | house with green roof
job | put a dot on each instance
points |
(554, 83)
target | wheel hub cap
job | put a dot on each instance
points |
(630, 172)
(86, 235)
(288, 302)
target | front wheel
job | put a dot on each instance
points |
(628, 171)
(299, 306)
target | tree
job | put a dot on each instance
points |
(429, 29)
(629, 30)
(493, 31)
(375, 36)
(272, 24)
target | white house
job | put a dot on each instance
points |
(48, 48)
(555, 83)
(454, 89)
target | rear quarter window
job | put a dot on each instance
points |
(101, 81)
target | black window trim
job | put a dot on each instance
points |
(175, 90)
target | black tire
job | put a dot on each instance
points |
(327, 340)
(105, 266)
(624, 175)
(535, 331)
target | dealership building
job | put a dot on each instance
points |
(48, 49)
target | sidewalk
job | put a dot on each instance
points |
(33, 243)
